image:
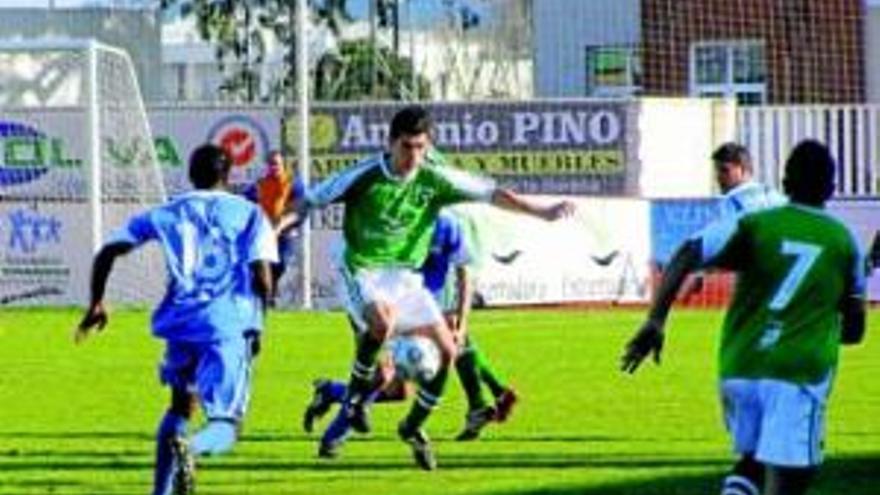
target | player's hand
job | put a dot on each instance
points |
(648, 340)
(95, 318)
(562, 209)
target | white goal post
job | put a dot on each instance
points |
(77, 159)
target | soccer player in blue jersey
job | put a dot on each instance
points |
(449, 252)
(452, 291)
(217, 248)
(740, 193)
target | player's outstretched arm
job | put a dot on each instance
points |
(95, 316)
(509, 200)
(649, 338)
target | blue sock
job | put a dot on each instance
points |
(371, 398)
(336, 390)
(338, 429)
(217, 437)
(171, 426)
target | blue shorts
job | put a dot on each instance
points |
(219, 373)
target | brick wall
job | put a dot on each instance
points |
(814, 48)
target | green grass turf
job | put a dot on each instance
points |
(80, 420)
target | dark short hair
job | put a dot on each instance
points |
(809, 173)
(209, 165)
(732, 152)
(410, 120)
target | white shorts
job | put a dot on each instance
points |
(400, 287)
(782, 423)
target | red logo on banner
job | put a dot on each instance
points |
(242, 137)
(240, 144)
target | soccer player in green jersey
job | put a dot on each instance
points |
(392, 200)
(800, 294)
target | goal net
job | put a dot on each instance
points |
(77, 160)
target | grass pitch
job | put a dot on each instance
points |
(80, 420)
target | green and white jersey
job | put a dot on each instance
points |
(795, 265)
(389, 220)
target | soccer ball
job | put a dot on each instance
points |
(415, 358)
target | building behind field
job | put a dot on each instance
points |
(135, 30)
(757, 51)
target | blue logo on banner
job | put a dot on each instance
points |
(11, 174)
(29, 230)
(674, 220)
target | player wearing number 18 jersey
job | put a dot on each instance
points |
(217, 249)
(799, 295)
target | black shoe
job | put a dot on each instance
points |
(319, 405)
(358, 415)
(504, 404)
(475, 421)
(183, 480)
(421, 446)
(328, 450)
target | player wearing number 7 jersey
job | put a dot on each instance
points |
(799, 295)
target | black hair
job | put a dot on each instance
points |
(732, 152)
(272, 152)
(209, 165)
(809, 173)
(411, 120)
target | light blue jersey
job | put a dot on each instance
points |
(745, 198)
(748, 197)
(209, 239)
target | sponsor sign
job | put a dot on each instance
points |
(674, 220)
(558, 147)
(38, 157)
(248, 135)
(601, 254)
(863, 217)
(39, 254)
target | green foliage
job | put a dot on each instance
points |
(243, 31)
(80, 420)
(359, 74)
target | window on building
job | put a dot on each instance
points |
(732, 69)
(181, 82)
(613, 71)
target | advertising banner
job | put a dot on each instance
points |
(863, 217)
(247, 134)
(674, 220)
(542, 147)
(42, 260)
(599, 255)
(43, 154)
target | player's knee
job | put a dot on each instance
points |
(380, 319)
(448, 352)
